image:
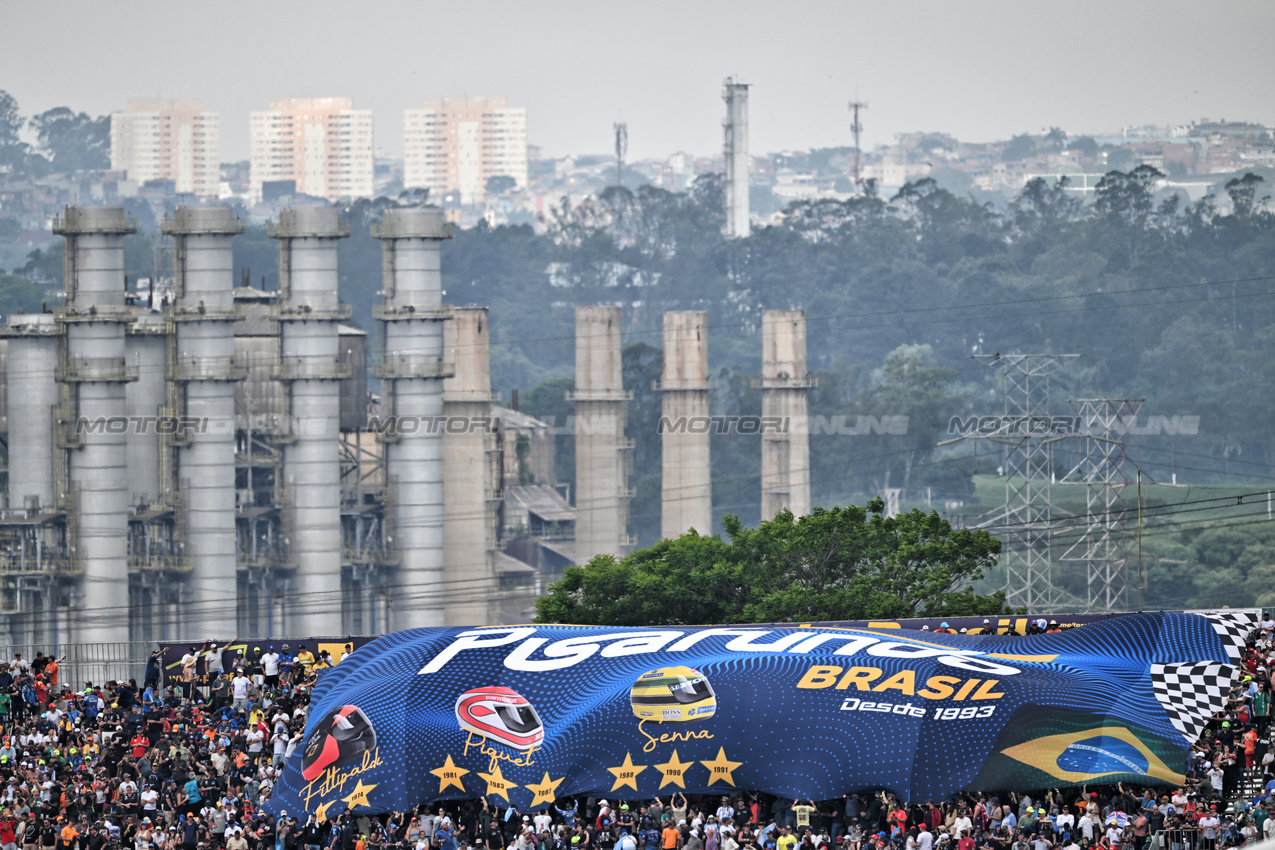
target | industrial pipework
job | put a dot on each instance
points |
(412, 368)
(94, 490)
(308, 312)
(202, 373)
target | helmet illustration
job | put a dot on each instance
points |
(343, 736)
(673, 694)
(501, 715)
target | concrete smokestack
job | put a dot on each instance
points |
(145, 349)
(469, 509)
(735, 151)
(32, 396)
(602, 495)
(309, 312)
(412, 369)
(204, 373)
(687, 493)
(93, 372)
(785, 451)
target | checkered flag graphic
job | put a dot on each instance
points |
(1233, 627)
(1192, 693)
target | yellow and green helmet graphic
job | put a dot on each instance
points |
(673, 695)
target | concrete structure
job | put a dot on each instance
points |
(308, 312)
(202, 374)
(168, 140)
(602, 491)
(458, 143)
(93, 373)
(412, 369)
(735, 151)
(469, 480)
(323, 143)
(686, 485)
(785, 380)
(145, 399)
(32, 362)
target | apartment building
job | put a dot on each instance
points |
(322, 143)
(173, 140)
(459, 143)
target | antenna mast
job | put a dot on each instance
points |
(621, 149)
(856, 127)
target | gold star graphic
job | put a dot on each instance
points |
(448, 775)
(627, 773)
(321, 813)
(358, 797)
(721, 768)
(497, 784)
(674, 771)
(546, 791)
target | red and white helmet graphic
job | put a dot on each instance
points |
(501, 715)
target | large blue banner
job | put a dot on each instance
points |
(525, 715)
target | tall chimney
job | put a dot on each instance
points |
(735, 152)
(205, 372)
(602, 497)
(785, 447)
(413, 370)
(93, 373)
(469, 480)
(309, 313)
(687, 494)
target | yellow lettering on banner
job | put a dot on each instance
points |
(819, 677)
(903, 682)
(939, 687)
(859, 677)
(985, 690)
(965, 690)
(669, 737)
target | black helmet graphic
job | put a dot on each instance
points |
(343, 736)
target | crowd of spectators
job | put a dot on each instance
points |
(186, 761)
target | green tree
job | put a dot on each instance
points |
(17, 294)
(499, 184)
(840, 564)
(1019, 147)
(73, 141)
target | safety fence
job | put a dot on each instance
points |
(1188, 838)
(81, 663)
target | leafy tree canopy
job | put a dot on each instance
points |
(73, 141)
(840, 564)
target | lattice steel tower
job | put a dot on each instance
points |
(1026, 522)
(1104, 468)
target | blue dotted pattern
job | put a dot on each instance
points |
(791, 742)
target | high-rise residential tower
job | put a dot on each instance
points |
(322, 143)
(168, 140)
(459, 143)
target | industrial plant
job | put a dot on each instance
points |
(209, 460)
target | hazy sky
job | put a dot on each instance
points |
(979, 69)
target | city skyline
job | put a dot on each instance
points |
(1009, 69)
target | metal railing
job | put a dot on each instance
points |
(389, 313)
(414, 366)
(88, 369)
(311, 312)
(89, 662)
(303, 368)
